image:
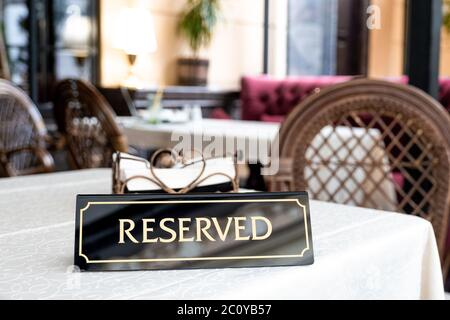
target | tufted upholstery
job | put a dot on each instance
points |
(444, 92)
(444, 99)
(264, 98)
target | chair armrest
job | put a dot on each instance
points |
(17, 150)
(44, 157)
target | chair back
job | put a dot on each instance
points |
(23, 134)
(370, 143)
(88, 124)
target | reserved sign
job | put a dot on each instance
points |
(151, 232)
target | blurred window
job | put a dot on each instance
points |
(312, 37)
(328, 37)
(49, 40)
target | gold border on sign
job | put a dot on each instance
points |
(301, 255)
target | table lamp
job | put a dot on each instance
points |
(135, 36)
(76, 34)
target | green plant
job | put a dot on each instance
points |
(446, 17)
(198, 21)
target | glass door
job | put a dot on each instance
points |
(50, 40)
(15, 18)
(328, 37)
(76, 44)
(312, 37)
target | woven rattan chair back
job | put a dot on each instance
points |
(22, 135)
(88, 124)
(412, 129)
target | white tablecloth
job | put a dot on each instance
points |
(360, 254)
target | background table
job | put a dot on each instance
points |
(155, 136)
(341, 139)
(360, 254)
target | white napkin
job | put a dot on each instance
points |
(176, 178)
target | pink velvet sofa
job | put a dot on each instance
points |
(264, 98)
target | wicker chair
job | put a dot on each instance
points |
(5, 72)
(87, 122)
(413, 130)
(23, 135)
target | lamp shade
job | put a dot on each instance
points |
(76, 31)
(135, 32)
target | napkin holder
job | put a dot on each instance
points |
(172, 173)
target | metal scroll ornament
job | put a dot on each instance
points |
(169, 159)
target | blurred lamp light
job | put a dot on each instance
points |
(135, 35)
(136, 32)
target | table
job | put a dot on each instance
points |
(360, 254)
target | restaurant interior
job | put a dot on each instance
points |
(350, 97)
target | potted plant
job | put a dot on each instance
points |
(446, 17)
(197, 25)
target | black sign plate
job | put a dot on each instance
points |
(160, 232)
